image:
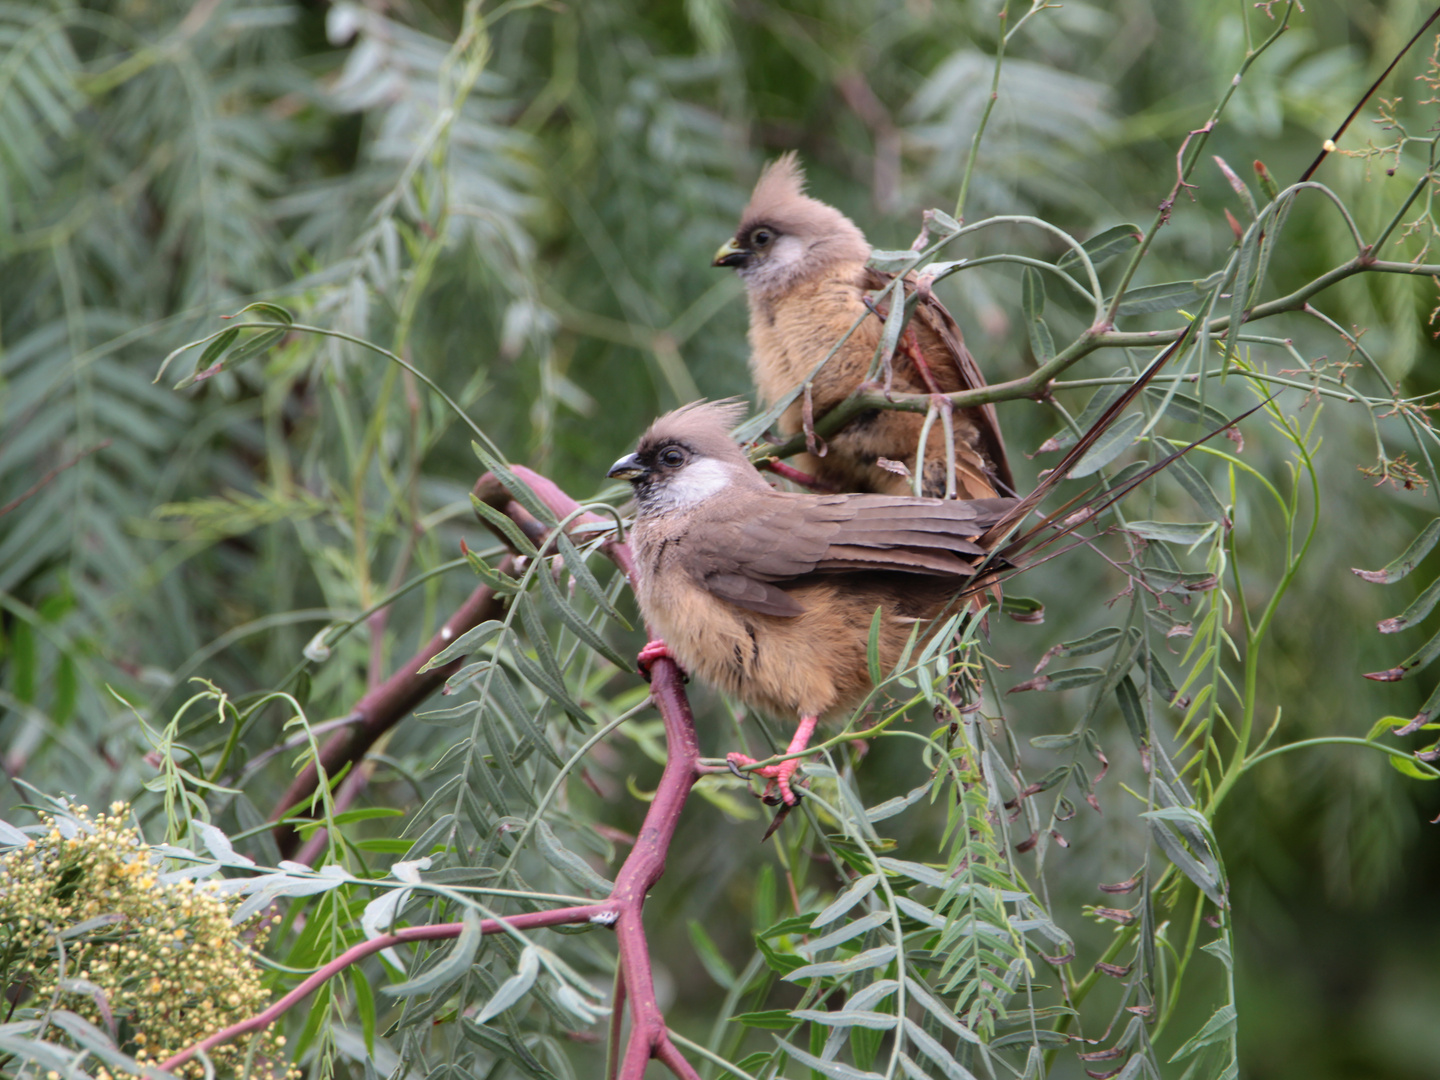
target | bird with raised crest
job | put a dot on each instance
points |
(769, 595)
(804, 267)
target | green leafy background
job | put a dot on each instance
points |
(522, 201)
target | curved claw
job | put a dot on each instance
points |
(656, 650)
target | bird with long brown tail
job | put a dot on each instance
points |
(769, 595)
(803, 264)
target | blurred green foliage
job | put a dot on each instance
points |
(521, 201)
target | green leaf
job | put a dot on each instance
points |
(468, 642)
(500, 584)
(1023, 608)
(933, 1049)
(777, 961)
(1238, 186)
(450, 968)
(1099, 401)
(504, 1045)
(518, 489)
(1199, 489)
(271, 311)
(864, 961)
(1423, 605)
(217, 348)
(1114, 442)
(832, 1070)
(853, 895)
(872, 649)
(1169, 296)
(1240, 288)
(1032, 304)
(568, 863)
(513, 988)
(1055, 742)
(795, 924)
(1410, 768)
(866, 1018)
(710, 957)
(369, 813)
(517, 539)
(576, 622)
(847, 932)
(1416, 661)
(1187, 409)
(1069, 679)
(1095, 642)
(1219, 1028)
(364, 1005)
(1188, 533)
(1132, 711)
(1396, 570)
(580, 573)
(768, 1019)
(894, 262)
(890, 807)
(1104, 245)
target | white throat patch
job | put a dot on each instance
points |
(695, 483)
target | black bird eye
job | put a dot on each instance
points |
(672, 458)
(761, 237)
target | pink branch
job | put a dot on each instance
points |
(353, 955)
(649, 1037)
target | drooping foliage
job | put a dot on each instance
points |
(416, 242)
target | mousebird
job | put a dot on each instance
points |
(803, 264)
(769, 595)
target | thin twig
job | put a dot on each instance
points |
(35, 487)
(643, 867)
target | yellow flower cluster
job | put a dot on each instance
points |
(165, 968)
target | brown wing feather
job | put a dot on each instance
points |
(747, 557)
(939, 321)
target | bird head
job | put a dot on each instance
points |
(785, 236)
(687, 457)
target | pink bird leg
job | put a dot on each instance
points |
(779, 775)
(655, 650)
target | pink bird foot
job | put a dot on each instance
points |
(779, 775)
(656, 650)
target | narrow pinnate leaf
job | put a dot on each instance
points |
(1150, 299)
(1114, 442)
(846, 900)
(870, 958)
(1396, 570)
(513, 988)
(1219, 1027)
(866, 1018)
(447, 970)
(568, 863)
(1423, 605)
(1104, 245)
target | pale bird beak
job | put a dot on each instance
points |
(731, 254)
(627, 468)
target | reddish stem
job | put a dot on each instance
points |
(649, 1036)
(384, 707)
(357, 953)
(390, 702)
(794, 475)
